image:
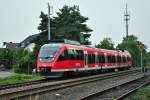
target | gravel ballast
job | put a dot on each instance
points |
(74, 93)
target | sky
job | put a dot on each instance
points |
(20, 18)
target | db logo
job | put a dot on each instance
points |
(77, 64)
(44, 65)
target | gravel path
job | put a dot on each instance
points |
(4, 74)
(76, 92)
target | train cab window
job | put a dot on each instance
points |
(47, 54)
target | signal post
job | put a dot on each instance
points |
(141, 47)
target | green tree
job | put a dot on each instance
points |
(68, 24)
(106, 43)
(148, 58)
(6, 58)
(44, 22)
(132, 45)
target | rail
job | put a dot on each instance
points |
(51, 86)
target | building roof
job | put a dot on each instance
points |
(28, 40)
(11, 45)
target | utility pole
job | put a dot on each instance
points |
(141, 48)
(126, 19)
(142, 62)
(50, 9)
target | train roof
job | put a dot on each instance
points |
(83, 47)
(53, 45)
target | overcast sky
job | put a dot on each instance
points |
(20, 18)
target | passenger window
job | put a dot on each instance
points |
(109, 59)
(91, 58)
(128, 58)
(71, 54)
(114, 60)
(81, 53)
(103, 59)
(119, 59)
(106, 59)
(100, 59)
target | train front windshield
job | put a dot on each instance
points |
(47, 54)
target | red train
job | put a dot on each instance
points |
(55, 59)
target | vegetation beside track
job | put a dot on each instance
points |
(19, 78)
(142, 94)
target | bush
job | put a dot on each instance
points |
(24, 62)
(142, 94)
(19, 78)
(24, 67)
(2, 67)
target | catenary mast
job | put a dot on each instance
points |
(126, 19)
(49, 22)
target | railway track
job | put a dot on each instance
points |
(15, 85)
(119, 92)
(7, 86)
(132, 91)
(36, 89)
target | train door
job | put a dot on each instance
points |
(96, 60)
(85, 59)
(116, 60)
(106, 60)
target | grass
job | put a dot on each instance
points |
(19, 78)
(142, 94)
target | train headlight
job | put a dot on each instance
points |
(40, 59)
(34, 70)
(38, 70)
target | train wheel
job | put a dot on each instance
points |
(68, 74)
